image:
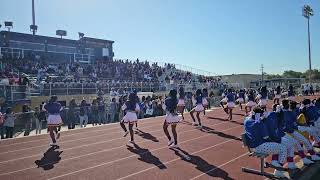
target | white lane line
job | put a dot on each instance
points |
(34, 147)
(213, 169)
(99, 128)
(93, 153)
(68, 141)
(135, 155)
(99, 142)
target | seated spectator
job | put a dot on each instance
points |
(258, 138)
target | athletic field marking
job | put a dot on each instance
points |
(106, 150)
(110, 162)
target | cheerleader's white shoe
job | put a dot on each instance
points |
(194, 124)
(125, 133)
(53, 144)
(173, 146)
(58, 135)
(170, 142)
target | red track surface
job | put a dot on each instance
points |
(101, 153)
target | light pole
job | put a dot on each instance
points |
(307, 12)
(33, 27)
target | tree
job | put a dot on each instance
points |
(292, 74)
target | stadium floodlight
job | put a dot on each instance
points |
(33, 29)
(307, 12)
(8, 25)
(61, 33)
(81, 35)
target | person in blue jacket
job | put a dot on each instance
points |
(258, 138)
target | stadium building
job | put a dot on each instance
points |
(85, 50)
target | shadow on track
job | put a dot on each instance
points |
(147, 136)
(50, 157)
(221, 134)
(146, 156)
(226, 120)
(202, 165)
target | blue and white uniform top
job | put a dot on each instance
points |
(251, 97)
(230, 97)
(199, 104)
(53, 109)
(131, 112)
(290, 121)
(275, 127)
(241, 95)
(170, 105)
(255, 131)
(263, 95)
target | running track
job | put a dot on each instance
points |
(101, 153)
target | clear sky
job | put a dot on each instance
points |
(220, 36)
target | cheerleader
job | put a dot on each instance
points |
(277, 95)
(290, 93)
(54, 119)
(131, 107)
(198, 109)
(251, 103)
(258, 138)
(223, 101)
(263, 95)
(205, 100)
(172, 118)
(241, 98)
(230, 102)
(181, 102)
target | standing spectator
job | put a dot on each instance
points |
(101, 111)
(38, 121)
(94, 112)
(142, 107)
(100, 94)
(26, 116)
(84, 109)
(112, 110)
(9, 123)
(42, 115)
(1, 125)
(72, 114)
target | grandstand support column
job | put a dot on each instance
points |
(67, 89)
(50, 91)
(81, 88)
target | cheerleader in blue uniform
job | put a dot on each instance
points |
(230, 102)
(172, 118)
(181, 102)
(291, 93)
(262, 97)
(54, 120)
(241, 98)
(277, 95)
(251, 102)
(131, 107)
(198, 109)
(205, 100)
